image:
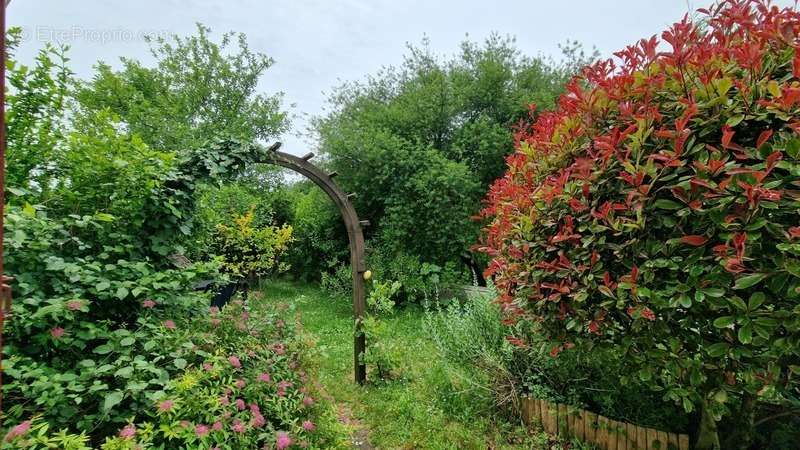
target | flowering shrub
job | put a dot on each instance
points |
(236, 382)
(248, 390)
(91, 337)
(656, 212)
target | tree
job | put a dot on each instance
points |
(655, 214)
(197, 90)
(420, 143)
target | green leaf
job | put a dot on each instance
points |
(745, 334)
(124, 372)
(667, 204)
(756, 300)
(749, 280)
(713, 292)
(717, 350)
(112, 400)
(128, 341)
(734, 120)
(103, 349)
(102, 286)
(723, 322)
(180, 363)
(122, 292)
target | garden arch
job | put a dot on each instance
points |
(325, 181)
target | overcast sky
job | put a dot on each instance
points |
(317, 44)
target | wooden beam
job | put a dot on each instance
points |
(364, 223)
(308, 156)
(274, 147)
(333, 174)
(351, 195)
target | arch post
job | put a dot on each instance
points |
(355, 236)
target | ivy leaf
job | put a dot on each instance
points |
(749, 280)
(112, 400)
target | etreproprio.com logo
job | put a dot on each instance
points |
(72, 34)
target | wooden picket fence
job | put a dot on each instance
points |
(607, 434)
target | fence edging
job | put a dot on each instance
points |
(607, 434)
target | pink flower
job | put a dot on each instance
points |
(240, 383)
(185, 423)
(224, 400)
(245, 315)
(207, 367)
(215, 322)
(18, 430)
(308, 401)
(128, 432)
(258, 421)
(148, 303)
(282, 440)
(217, 426)
(309, 425)
(251, 353)
(279, 349)
(281, 392)
(240, 404)
(235, 362)
(238, 426)
(213, 310)
(254, 408)
(57, 332)
(165, 405)
(74, 305)
(169, 324)
(201, 430)
(284, 384)
(264, 377)
(241, 326)
(293, 365)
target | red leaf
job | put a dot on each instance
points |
(796, 63)
(762, 138)
(694, 240)
(727, 135)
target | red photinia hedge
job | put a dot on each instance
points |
(658, 209)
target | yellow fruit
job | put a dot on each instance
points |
(368, 275)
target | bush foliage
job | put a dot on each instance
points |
(656, 211)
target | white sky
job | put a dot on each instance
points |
(316, 44)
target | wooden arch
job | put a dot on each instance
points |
(325, 181)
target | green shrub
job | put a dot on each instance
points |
(655, 214)
(248, 252)
(382, 352)
(338, 283)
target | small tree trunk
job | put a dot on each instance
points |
(707, 437)
(745, 425)
(477, 273)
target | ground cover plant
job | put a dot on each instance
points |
(656, 213)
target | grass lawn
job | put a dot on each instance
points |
(425, 408)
